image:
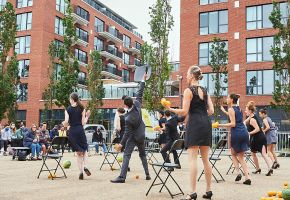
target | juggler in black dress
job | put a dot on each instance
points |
(77, 137)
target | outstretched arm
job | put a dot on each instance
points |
(140, 92)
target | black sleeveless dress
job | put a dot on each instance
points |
(198, 127)
(77, 137)
(258, 140)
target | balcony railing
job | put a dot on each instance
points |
(110, 33)
(136, 63)
(112, 72)
(134, 50)
(111, 53)
(78, 19)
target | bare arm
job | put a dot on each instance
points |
(210, 109)
(266, 125)
(85, 116)
(232, 117)
(254, 123)
(187, 96)
(66, 119)
(224, 111)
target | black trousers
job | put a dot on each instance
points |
(165, 156)
(6, 143)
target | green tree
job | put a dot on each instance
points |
(281, 57)
(156, 55)
(69, 65)
(95, 85)
(9, 65)
(218, 63)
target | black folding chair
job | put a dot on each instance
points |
(248, 159)
(214, 157)
(111, 151)
(151, 147)
(177, 145)
(57, 143)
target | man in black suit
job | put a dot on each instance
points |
(172, 135)
(134, 134)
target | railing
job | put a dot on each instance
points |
(114, 32)
(113, 70)
(113, 51)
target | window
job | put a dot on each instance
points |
(209, 83)
(82, 34)
(205, 2)
(56, 117)
(23, 45)
(82, 78)
(22, 92)
(126, 58)
(175, 67)
(2, 4)
(213, 22)
(258, 49)
(21, 116)
(23, 68)
(58, 26)
(83, 93)
(127, 41)
(58, 44)
(24, 21)
(99, 25)
(98, 44)
(57, 72)
(258, 16)
(61, 6)
(204, 53)
(138, 45)
(137, 62)
(83, 13)
(125, 75)
(23, 3)
(81, 56)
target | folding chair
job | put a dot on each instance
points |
(177, 145)
(57, 143)
(151, 148)
(248, 158)
(114, 153)
(214, 157)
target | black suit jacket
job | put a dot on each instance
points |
(134, 125)
(171, 127)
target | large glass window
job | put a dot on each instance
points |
(58, 26)
(57, 71)
(204, 52)
(24, 21)
(213, 22)
(82, 78)
(258, 49)
(126, 75)
(205, 2)
(21, 116)
(209, 83)
(126, 58)
(23, 3)
(58, 44)
(82, 34)
(138, 45)
(2, 4)
(99, 25)
(83, 13)
(23, 45)
(98, 44)
(56, 117)
(22, 92)
(23, 68)
(258, 16)
(81, 56)
(61, 6)
(127, 41)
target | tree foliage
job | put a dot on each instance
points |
(9, 65)
(281, 57)
(156, 55)
(218, 63)
(95, 85)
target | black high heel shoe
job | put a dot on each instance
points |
(192, 196)
(247, 182)
(257, 171)
(239, 177)
(277, 166)
(269, 172)
(207, 195)
(274, 165)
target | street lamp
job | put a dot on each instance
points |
(179, 77)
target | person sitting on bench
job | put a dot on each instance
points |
(31, 141)
(98, 140)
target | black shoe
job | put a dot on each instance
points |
(191, 196)
(118, 180)
(247, 182)
(81, 176)
(87, 171)
(269, 172)
(239, 177)
(128, 169)
(148, 177)
(207, 195)
(257, 171)
(277, 165)
(178, 167)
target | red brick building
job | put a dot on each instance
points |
(246, 28)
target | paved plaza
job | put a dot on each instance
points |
(19, 182)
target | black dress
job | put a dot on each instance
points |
(198, 128)
(163, 136)
(257, 140)
(77, 137)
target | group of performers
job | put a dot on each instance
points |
(196, 111)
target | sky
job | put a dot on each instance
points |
(137, 12)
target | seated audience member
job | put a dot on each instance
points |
(6, 138)
(62, 131)
(17, 137)
(98, 140)
(31, 140)
(54, 132)
(44, 138)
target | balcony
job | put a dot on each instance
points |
(81, 42)
(134, 50)
(135, 64)
(78, 19)
(111, 53)
(110, 33)
(111, 72)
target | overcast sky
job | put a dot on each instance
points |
(137, 12)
